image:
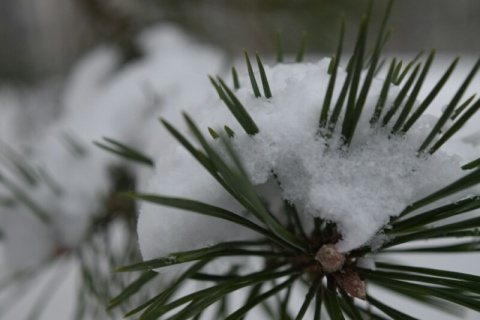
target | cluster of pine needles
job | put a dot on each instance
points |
(335, 283)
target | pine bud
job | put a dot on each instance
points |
(351, 283)
(330, 259)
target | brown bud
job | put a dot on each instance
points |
(330, 259)
(351, 283)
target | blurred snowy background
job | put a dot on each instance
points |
(44, 38)
(63, 61)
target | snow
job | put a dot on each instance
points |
(359, 188)
(172, 230)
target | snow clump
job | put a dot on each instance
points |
(359, 187)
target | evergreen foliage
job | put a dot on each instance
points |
(293, 257)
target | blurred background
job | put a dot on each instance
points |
(43, 38)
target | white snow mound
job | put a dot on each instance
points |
(359, 188)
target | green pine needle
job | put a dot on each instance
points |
(349, 131)
(462, 107)
(463, 183)
(413, 95)
(124, 151)
(132, 289)
(248, 191)
(331, 82)
(396, 72)
(229, 131)
(279, 47)
(49, 181)
(332, 122)
(465, 247)
(213, 133)
(240, 313)
(357, 66)
(400, 97)
(251, 75)
(348, 306)
(302, 48)
(235, 106)
(263, 76)
(239, 111)
(439, 292)
(225, 249)
(202, 208)
(331, 65)
(450, 108)
(234, 182)
(236, 83)
(220, 92)
(436, 214)
(208, 296)
(430, 97)
(22, 197)
(18, 165)
(429, 271)
(318, 304)
(471, 165)
(308, 298)
(74, 145)
(434, 231)
(161, 298)
(398, 77)
(389, 311)
(382, 99)
(456, 126)
(380, 66)
(332, 305)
